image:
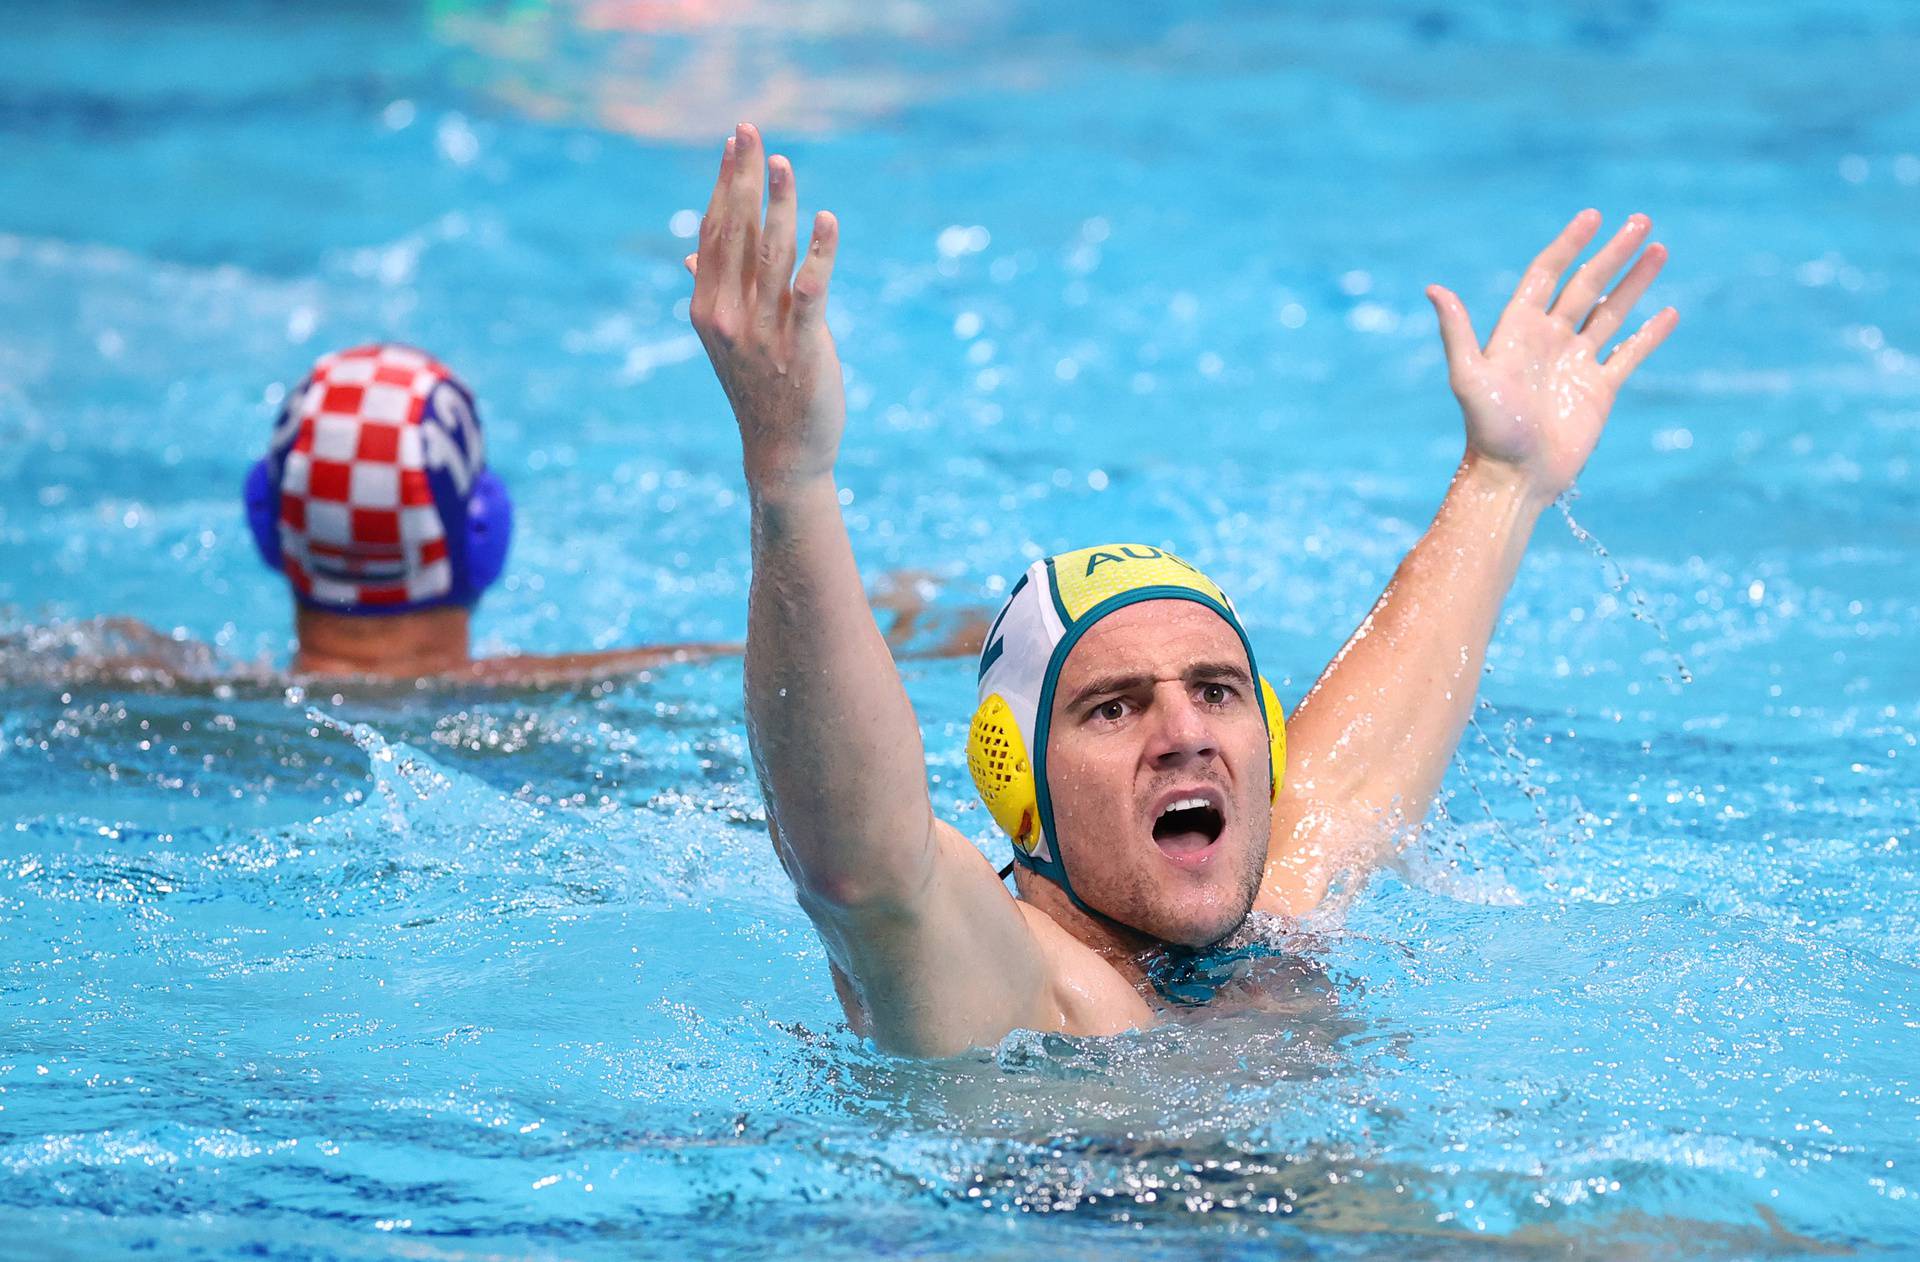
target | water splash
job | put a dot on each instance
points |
(1619, 582)
(1516, 758)
(401, 776)
(1519, 775)
(103, 650)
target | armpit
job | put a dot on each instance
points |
(1085, 995)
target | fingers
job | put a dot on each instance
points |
(1627, 356)
(730, 240)
(710, 232)
(1456, 328)
(741, 273)
(1577, 299)
(774, 266)
(1543, 274)
(1613, 309)
(810, 286)
(718, 198)
(744, 193)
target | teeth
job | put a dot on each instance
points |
(1186, 804)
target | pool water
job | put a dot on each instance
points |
(465, 975)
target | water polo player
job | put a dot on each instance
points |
(1124, 737)
(376, 501)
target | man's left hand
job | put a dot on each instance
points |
(1538, 395)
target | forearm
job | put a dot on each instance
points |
(1370, 743)
(835, 740)
(564, 668)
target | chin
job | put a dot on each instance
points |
(1200, 919)
(1182, 903)
(1204, 932)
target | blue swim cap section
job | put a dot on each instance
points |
(479, 515)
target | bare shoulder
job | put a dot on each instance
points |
(958, 962)
(1086, 995)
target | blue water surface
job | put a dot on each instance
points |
(464, 975)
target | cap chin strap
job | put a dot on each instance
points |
(1112, 922)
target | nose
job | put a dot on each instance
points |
(1181, 733)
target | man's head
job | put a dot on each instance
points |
(1127, 743)
(374, 497)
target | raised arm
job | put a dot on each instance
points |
(1370, 743)
(931, 953)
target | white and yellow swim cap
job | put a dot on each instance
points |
(1056, 602)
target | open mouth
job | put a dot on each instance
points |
(1186, 827)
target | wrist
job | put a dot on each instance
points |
(789, 510)
(781, 481)
(1495, 481)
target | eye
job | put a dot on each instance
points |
(1112, 711)
(1215, 694)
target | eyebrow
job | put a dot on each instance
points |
(1199, 672)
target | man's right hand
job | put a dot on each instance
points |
(764, 327)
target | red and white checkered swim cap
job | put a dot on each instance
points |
(373, 461)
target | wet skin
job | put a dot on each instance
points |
(929, 953)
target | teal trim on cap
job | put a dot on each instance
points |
(1053, 590)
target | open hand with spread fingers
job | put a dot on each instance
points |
(765, 327)
(1538, 395)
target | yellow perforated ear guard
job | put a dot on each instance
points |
(997, 757)
(1053, 604)
(1276, 735)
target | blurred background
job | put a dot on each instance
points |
(1183, 248)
